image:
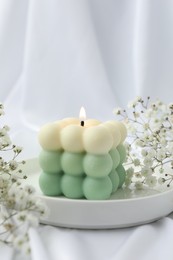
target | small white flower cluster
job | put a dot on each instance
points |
(150, 145)
(19, 208)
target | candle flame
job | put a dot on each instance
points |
(82, 114)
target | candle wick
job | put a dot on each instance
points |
(82, 123)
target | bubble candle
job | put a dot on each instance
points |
(82, 158)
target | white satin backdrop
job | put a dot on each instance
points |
(57, 55)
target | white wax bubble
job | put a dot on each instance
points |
(49, 136)
(122, 129)
(92, 122)
(97, 140)
(71, 138)
(115, 132)
(70, 121)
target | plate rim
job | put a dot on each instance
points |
(66, 212)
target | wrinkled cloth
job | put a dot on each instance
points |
(59, 55)
(151, 241)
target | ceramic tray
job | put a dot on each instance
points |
(124, 209)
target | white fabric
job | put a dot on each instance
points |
(59, 55)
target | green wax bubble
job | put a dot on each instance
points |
(72, 163)
(97, 165)
(122, 175)
(72, 186)
(122, 152)
(97, 188)
(114, 179)
(50, 184)
(50, 161)
(115, 158)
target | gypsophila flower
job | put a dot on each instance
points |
(146, 126)
(1, 112)
(161, 170)
(144, 152)
(13, 165)
(148, 161)
(42, 208)
(163, 141)
(150, 145)
(128, 182)
(117, 111)
(6, 128)
(131, 104)
(22, 216)
(19, 241)
(17, 149)
(136, 162)
(131, 129)
(127, 146)
(5, 141)
(161, 180)
(32, 220)
(137, 175)
(151, 153)
(139, 185)
(19, 208)
(140, 143)
(3, 132)
(151, 181)
(29, 189)
(130, 172)
(161, 154)
(136, 115)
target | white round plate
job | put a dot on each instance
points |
(124, 209)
